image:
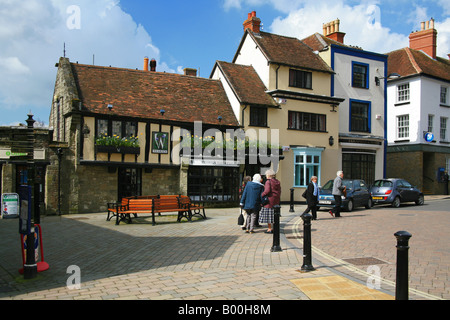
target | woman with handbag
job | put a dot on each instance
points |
(272, 189)
(242, 220)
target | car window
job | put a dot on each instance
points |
(405, 184)
(328, 185)
(383, 183)
(362, 185)
(348, 184)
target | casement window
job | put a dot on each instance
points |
(119, 128)
(300, 79)
(444, 95)
(360, 75)
(403, 92)
(403, 126)
(307, 163)
(360, 116)
(258, 116)
(307, 121)
(443, 129)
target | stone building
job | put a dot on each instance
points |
(121, 128)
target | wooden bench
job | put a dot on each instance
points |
(155, 205)
(113, 206)
(194, 208)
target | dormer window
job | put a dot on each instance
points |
(300, 79)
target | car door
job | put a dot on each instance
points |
(364, 192)
(404, 188)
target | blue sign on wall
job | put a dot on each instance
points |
(429, 136)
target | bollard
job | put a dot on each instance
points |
(401, 285)
(291, 205)
(307, 256)
(276, 229)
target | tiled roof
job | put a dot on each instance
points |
(288, 51)
(246, 84)
(407, 62)
(142, 94)
(318, 42)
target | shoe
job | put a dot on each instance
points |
(269, 231)
(246, 231)
(331, 212)
(252, 232)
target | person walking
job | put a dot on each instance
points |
(272, 189)
(246, 180)
(312, 196)
(338, 191)
(251, 201)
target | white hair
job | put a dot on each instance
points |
(270, 173)
(257, 177)
(339, 173)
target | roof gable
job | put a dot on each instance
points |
(246, 84)
(142, 94)
(407, 62)
(286, 51)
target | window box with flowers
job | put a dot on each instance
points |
(115, 144)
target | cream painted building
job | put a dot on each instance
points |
(280, 89)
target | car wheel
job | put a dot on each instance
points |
(420, 201)
(396, 202)
(350, 205)
(369, 203)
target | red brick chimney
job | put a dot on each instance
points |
(253, 23)
(425, 39)
(331, 30)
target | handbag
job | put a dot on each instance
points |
(265, 199)
(241, 219)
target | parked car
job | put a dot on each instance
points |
(395, 192)
(357, 195)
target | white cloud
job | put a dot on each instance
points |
(370, 34)
(443, 38)
(32, 36)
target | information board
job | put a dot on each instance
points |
(10, 205)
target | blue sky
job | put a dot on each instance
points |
(178, 34)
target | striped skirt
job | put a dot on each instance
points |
(266, 215)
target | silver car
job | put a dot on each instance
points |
(395, 192)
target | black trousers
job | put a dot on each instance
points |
(337, 206)
(312, 207)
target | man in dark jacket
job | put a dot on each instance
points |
(251, 201)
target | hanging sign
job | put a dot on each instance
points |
(429, 136)
(160, 142)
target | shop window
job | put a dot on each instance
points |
(307, 162)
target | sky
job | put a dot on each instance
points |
(179, 34)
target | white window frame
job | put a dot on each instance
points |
(443, 128)
(444, 95)
(302, 168)
(403, 126)
(430, 123)
(403, 92)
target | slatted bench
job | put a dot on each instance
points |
(155, 205)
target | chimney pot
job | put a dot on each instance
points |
(153, 65)
(253, 23)
(146, 64)
(425, 39)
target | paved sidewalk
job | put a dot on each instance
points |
(214, 259)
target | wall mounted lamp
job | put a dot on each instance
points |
(162, 111)
(331, 141)
(391, 76)
(110, 106)
(219, 118)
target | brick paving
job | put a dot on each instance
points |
(214, 259)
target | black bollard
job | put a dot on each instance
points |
(276, 229)
(401, 285)
(307, 252)
(291, 205)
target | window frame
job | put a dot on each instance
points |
(368, 104)
(262, 113)
(445, 100)
(430, 126)
(122, 124)
(443, 129)
(404, 136)
(298, 124)
(365, 77)
(300, 79)
(406, 93)
(313, 167)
